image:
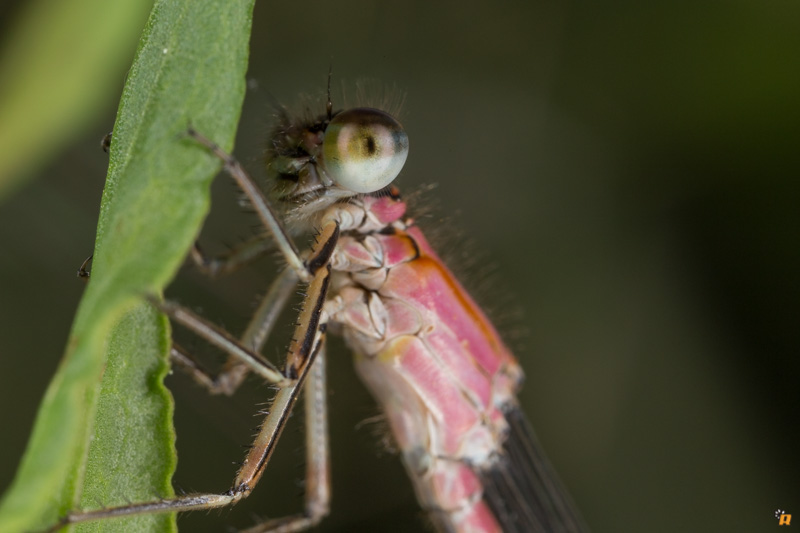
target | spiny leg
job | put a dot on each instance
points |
(236, 369)
(306, 344)
(317, 487)
(318, 471)
(303, 349)
(259, 203)
(268, 311)
(221, 339)
(254, 337)
(317, 443)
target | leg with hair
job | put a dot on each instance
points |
(236, 369)
(303, 350)
(260, 204)
(258, 329)
(318, 472)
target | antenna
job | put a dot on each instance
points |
(330, 103)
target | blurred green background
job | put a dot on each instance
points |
(618, 184)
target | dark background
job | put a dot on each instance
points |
(618, 184)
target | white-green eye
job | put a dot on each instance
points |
(364, 149)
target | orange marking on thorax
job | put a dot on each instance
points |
(430, 266)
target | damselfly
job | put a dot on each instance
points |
(435, 364)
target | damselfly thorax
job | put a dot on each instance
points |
(433, 361)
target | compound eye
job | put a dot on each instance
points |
(364, 149)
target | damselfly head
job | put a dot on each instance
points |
(320, 161)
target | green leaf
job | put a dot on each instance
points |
(103, 435)
(62, 61)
